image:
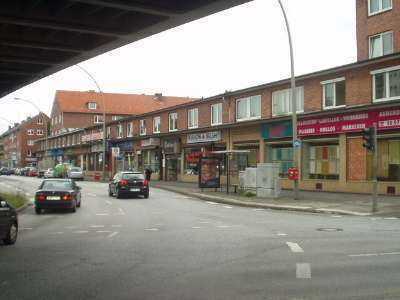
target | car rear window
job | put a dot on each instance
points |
(56, 185)
(133, 176)
(76, 169)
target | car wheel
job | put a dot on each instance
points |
(118, 194)
(146, 195)
(12, 235)
(38, 210)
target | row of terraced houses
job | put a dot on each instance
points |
(170, 134)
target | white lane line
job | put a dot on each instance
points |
(116, 226)
(103, 231)
(390, 218)
(112, 234)
(108, 202)
(336, 216)
(303, 271)
(294, 247)
(26, 228)
(81, 231)
(91, 195)
(281, 234)
(196, 227)
(210, 202)
(70, 227)
(258, 209)
(57, 232)
(224, 226)
(374, 219)
(151, 229)
(374, 254)
(102, 214)
(227, 206)
(204, 222)
(96, 226)
(121, 211)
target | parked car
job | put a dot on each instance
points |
(8, 223)
(32, 172)
(40, 173)
(12, 171)
(49, 173)
(75, 173)
(24, 171)
(57, 193)
(5, 171)
(128, 183)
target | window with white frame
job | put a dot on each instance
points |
(282, 101)
(157, 124)
(193, 118)
(142, 127)
(216, 114)
(129, 131)
(386, 84)
(31, 131)
(248, 108)
(39, 131)
(97, 119)
(116, 118)
(30, 142)
(108, 132)
(334, 92)
(120, 131)
(378, 6)
(173, 121)
(92, 105)
(381, 44)
(40, 121)
(29, 153)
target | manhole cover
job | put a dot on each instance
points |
(329, 229)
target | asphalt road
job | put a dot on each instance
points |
(174, 247)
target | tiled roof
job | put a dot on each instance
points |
(119, 104)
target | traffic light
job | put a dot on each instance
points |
(369, 137)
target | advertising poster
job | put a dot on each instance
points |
(209, 175)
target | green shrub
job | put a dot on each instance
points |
(16, 200)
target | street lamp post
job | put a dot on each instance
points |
(104, 118)
(45, 120)
(294, 106)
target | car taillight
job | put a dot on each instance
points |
(124, 182)
(41, 197)
(145, 182)
(67, 197)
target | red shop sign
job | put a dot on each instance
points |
(350, 122)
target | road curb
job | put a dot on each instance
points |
(23, 207)
(264, 205)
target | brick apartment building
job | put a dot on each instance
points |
(333, 107)
(18, 142)
(74, 109)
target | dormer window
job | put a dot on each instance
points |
(92, 105)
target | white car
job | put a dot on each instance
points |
(49, 173)
(75, 173)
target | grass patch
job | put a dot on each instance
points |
(16, 200)
(248, 194)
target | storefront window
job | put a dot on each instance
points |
(324, 162)
(284, 156)
(192, 158)
(389, 160)
(151, 160)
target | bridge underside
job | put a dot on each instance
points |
(41, 37)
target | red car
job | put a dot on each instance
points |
(32, 172)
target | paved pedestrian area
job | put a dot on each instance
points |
(340, 203)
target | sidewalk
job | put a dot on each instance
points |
(316, 202)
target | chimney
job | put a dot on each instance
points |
(158, 96)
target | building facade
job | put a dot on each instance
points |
(19, 147)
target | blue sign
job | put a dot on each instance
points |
(297, 143)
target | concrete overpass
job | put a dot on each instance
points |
(41, 37)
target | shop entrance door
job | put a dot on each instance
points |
(172, 169)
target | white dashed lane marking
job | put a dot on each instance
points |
(227, 206)
(294, 247)
(281, 234)
(390, 218)
(103, 231)
(223, 226)
(92, 195)
(303, 271)
(374, 254)
(116, 226)
(108, 202)
(112, 234)
(151, 229)
(96, 226)
(25, 228)
(210, 202)
(81, 231)
(103, 214)
(196, 227)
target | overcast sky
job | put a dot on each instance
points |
(237, 48)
